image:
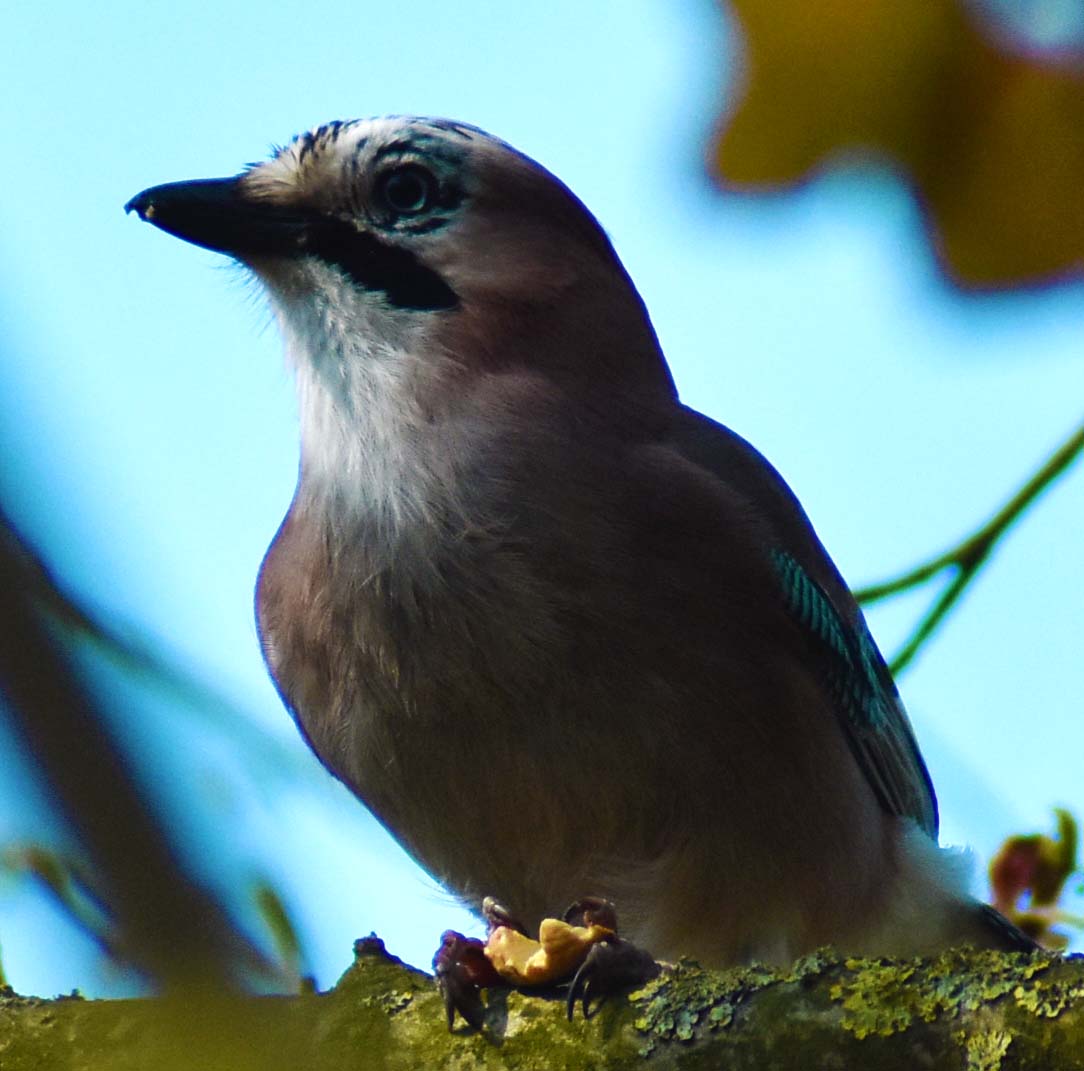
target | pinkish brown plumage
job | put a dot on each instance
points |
(560, 633)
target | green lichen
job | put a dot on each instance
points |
(882, 997)
(685, 1002)
(877, 997)
(811, 966)
(391, 1002)
(1048, 997)
(986, 1048)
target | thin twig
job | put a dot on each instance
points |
(966, 559)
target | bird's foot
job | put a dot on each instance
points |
(463, 971)
(582, 945)
(463, 966)
(611, 966)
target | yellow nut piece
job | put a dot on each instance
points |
(559, 950)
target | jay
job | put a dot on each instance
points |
(559, 632)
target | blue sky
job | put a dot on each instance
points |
(147, 420)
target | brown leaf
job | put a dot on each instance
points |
(990, 136)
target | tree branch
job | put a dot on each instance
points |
(961, 1009)
(167, 923)
(965, 560)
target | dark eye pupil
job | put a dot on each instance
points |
(408, 190)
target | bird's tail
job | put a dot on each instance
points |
(1001, 933)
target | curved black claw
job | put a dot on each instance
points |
(610, 967)
(591, 911)
(496, 914)
(462, 972)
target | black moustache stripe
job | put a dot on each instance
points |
(375, 265)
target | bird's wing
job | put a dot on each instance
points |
(845, 657)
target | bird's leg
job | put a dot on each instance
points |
(582, 945)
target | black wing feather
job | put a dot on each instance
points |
(870, 710)
(841, 650)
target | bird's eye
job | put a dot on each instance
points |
(408, 190)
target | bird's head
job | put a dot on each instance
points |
(426, 239)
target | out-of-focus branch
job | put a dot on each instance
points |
(964, 561)
(134, 655)
(170, 927)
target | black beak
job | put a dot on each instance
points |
(219, 215)
(216, 214)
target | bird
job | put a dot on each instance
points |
(561, 633)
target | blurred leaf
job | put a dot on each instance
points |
(1028, 877)
(277, 919)
(72, 887)
(991, 137)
